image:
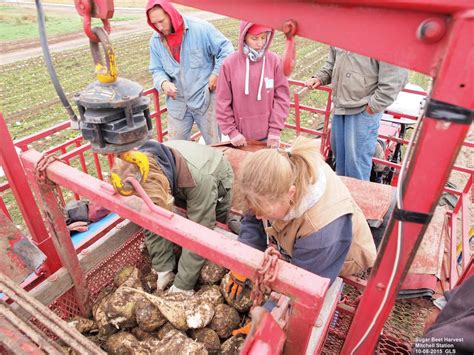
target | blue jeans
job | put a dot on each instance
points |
(207, 124)
(353, 139)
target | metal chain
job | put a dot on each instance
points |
(265, 275)
(42, 165)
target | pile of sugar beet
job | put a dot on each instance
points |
(132, 317)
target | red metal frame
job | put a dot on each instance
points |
(103, 9)
(23, 143)
(12, 338)
(61, 237)
(440, 42)
(460, 210)
(14, 172)
(324, 134)
(437, 35)
(389, 28)
(157, 116)
(416, 183)
(307, 290)
(268, 339)
(468, 272)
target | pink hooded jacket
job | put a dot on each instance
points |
(175, 16)
(252, 98)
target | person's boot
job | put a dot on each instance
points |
(165, 278)
(174, 289)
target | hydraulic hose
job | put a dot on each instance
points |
(49, 64)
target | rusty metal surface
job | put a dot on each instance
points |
(45, 190)
(429, 257)
(18, 256)
(15, 174)
(19, 329)
(265, 275)
(373, 199)
(252, 145)
(14, 342)
(51, 322)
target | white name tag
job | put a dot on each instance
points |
(268, 83)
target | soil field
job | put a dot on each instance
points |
(19, 24)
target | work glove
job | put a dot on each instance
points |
(243, 330)
(164, 279)
(236, 285)
(79, 226)
(257, 314)
(273, 141)
(238, 140)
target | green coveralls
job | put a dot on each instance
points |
(208, 201)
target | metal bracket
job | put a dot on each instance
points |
(447, 112)
(412, 217)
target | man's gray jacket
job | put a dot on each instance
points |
(358, 81)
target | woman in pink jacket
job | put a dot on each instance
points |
(253, 96)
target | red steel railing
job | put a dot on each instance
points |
(76, 148)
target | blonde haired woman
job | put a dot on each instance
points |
(196, 177)
(308, 213)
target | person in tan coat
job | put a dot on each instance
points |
(295, 202)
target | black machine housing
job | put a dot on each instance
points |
(114, 117)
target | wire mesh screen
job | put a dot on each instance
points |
(65, 306)
(131, 252)
(102, 276)
(404, 324)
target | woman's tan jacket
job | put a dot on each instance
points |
(335, 202)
